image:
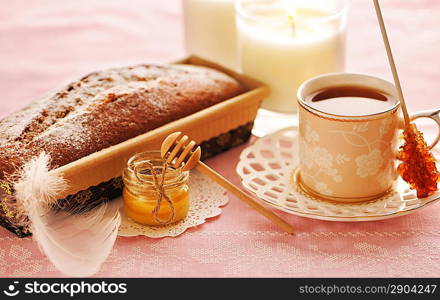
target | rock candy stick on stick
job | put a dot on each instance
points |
(418, 166)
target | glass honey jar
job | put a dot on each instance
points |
(151, 198)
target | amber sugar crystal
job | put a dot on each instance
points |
(418, 166)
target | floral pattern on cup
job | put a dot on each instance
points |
(323, 188)
(389, 174)
(311, 135)
(368, 147)
(320, 158)
(385, 126)
(369, 164)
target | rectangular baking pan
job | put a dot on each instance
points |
(202, 126)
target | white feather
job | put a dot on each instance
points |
(77, 244)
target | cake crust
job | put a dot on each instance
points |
(106, 108)
(100, 110)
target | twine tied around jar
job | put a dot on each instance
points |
(159, 186)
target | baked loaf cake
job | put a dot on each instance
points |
(103, 109)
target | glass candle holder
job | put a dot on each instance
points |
(143, 201)
(285, 42)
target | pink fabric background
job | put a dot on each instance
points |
(44, 43)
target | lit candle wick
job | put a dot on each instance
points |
(292, 23)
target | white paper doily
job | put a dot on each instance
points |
(206, 198)
(266, 170)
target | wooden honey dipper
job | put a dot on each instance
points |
(178, 149)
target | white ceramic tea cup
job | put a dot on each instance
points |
(349, 158)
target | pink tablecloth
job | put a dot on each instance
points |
(44, 43)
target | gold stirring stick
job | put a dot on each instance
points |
(391, 62)
(179, 150)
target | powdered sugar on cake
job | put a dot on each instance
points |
(100, 110)
(106, 108)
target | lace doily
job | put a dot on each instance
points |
(206, 198)
(267, 170)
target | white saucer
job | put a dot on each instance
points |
(266, 169)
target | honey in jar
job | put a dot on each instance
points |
(151, 198)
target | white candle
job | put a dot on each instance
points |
(210, 30)
(283, 43)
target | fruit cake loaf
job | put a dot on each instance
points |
(103, 109)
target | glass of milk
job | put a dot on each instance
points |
(210, 30)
